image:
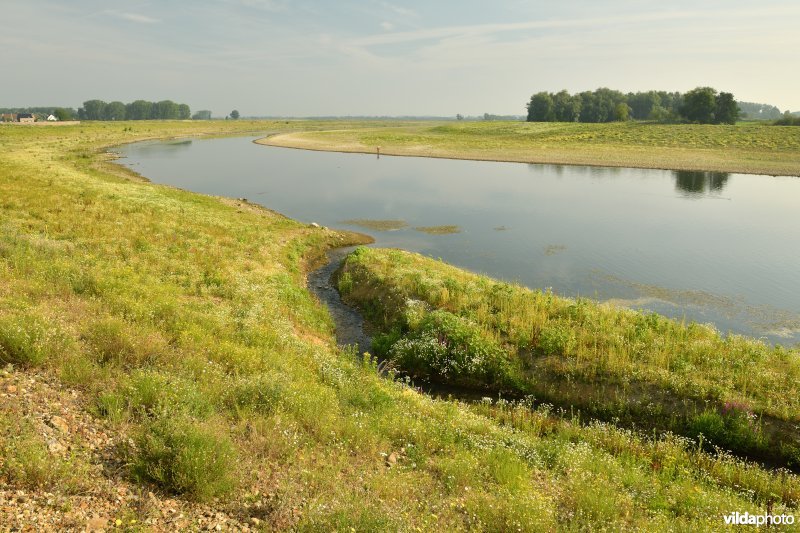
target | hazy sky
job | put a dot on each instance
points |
(374, 57)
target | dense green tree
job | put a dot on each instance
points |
(671, 102)
(94, 109)
(184, 113)
(596, 106)
(642, 104)
(541, 108)
(235, 114)
(726, 111)
(699, 105)
(165, 110)
(622, 112)
(139, 110)
(115, 111)
(567, 108)
(659, 114)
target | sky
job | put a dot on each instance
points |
(390, 58)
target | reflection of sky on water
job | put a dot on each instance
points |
(730, 235)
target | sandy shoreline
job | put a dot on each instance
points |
(573, 157)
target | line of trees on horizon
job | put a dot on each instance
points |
(138, 110)
(42, 112)
(703, 105)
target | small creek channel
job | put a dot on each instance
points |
(349, 322)
(351, 327)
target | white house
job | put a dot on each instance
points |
(51, 118)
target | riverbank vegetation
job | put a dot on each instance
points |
(749, 148)
(180, 327)
(451, 327)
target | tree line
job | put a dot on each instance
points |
(703, 105)
(754, 111)
(138, 110)
(41, 113)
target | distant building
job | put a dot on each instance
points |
(51, 118)
(26, 118)
(9, 117)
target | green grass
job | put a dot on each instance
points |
(184, 321)
(642, 369)
(377, 225)
(747, 147)
(439, 230)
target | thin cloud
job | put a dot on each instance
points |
(135, 17)
(265, 5)
(446, 32)
(400, 10)
(487, 29)
(388, 26)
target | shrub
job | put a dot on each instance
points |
(453, 349)
(153, 394)
(184, 457)
(26, 340)
(110, 341)
(114, 341)
(735, 428)
(345, 283)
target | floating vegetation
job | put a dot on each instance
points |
(500, 228)
(765, 319)
(553, 249)
(377, 225)
(439, 230)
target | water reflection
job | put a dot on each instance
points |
(166, 148)
(693, 183)
(544, 169)
(541, 225)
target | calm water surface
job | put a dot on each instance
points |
(711, 247)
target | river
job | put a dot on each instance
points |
(709, 247)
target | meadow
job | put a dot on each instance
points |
(746, 147)
(182, 326)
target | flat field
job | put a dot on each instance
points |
(746, 147)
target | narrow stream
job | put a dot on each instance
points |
(351, 330)
(349, 322)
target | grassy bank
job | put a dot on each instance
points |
(179, 327)
(454, 327)
(748, 148)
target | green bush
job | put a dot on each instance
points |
(735, 428)
(184, 457)
(453, 349)
(110, 341)
(26, 340)
(345, 283)
(153, 394)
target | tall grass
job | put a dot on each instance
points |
(639, 368)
